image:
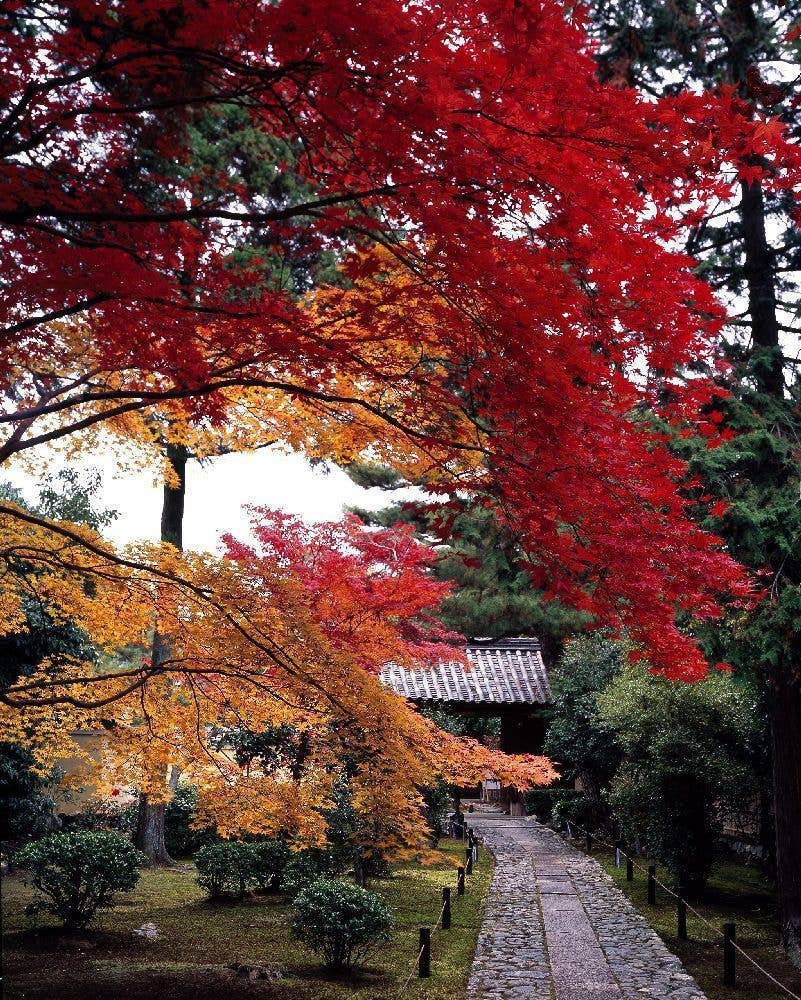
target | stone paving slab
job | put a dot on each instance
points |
(557, 928)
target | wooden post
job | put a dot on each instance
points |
(729, 936)
(446, 908)
(424, 962)
(652, 884)
(629, 870)
(681, 919)
(468, 855)
(460, 881)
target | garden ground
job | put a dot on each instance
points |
(189, 959)
(736, 892)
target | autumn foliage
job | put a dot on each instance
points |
(290, 631)
(512, 301)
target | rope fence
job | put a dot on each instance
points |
(421, 962)
(730, 945)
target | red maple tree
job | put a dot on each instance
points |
(531, 209)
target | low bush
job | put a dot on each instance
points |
(228, 869)
(342, 923)
(79, 873)
(581, 810)
(438, 799)
(102, 815)
(273, 856)
(310, 865)
(180, 836)
(541, 802)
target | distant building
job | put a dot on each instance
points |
(507, 680)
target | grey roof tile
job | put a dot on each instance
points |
(506, 672)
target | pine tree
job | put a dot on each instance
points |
(752, 47)
(493, 596)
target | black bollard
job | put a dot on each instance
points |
(468, 854)
(652, 884)
(460, 881)
(446, 908)
(424, 962)
(588, 842)
(681, 919)
(629, 870)
(729, 936)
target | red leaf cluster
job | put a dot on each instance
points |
(530, 209)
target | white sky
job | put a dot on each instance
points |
(217, 492)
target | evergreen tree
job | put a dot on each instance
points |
(576, 742)
(752, 46)
(493, 595)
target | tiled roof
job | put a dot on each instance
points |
(506, 672)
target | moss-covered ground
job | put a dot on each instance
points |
(197, 941)
(737, 893)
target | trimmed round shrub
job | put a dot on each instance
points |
(340, 922)
(228, 869)
(273, 857)
(311, 864)
(79, 873)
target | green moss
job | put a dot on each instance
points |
(198, 939)
(737, 893)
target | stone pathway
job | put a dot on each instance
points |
(556, 928)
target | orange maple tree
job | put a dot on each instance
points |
(292, 630)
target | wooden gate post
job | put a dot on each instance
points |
(729, 936)
(425, 952)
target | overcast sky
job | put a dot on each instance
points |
(218, 490)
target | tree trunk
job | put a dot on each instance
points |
(784, 706)
(151, 818)
(172, 507)
(150, 827)
(761, 289)
(784, 690)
